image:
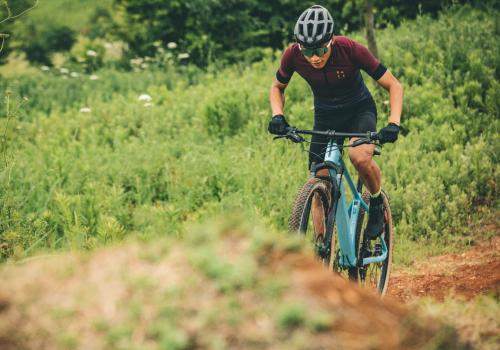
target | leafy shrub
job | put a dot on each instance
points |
(88, 53)
(40, 43)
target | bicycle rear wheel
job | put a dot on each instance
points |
(310, 214)
(375, 275)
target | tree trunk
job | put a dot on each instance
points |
(370, 26)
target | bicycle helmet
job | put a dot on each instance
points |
(314, 27)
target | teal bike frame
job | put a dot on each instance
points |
(346, 216)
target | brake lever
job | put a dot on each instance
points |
(291, 136)
(360, 142)
(295, 138)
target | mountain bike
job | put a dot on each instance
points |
(334, 223)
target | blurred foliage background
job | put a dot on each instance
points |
(211, 32)
(133, 118)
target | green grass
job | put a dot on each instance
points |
(79, 180)
(482, 227)
(476, 321)
(291, 316)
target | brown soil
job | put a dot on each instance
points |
(468, 274)
(133, 296)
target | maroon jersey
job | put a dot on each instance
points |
(339, 83)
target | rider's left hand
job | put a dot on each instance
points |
(278, 125)
(389, 133)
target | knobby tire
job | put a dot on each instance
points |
(301, 217)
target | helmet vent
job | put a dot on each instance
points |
(310, 29)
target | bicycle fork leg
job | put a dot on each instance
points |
(331, 223)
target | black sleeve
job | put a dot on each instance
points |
(281, 78)
(381, 69)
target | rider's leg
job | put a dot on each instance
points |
(362, 158)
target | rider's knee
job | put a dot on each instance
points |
(360, 160)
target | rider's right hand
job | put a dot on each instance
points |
(389, 133)
(278, 125)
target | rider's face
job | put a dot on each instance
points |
(319, 62)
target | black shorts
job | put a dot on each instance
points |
(359, 118)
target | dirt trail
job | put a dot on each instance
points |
(473, 272)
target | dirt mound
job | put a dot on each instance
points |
(468, 274)
(223, 287)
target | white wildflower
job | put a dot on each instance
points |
(148, 104)
(144, 65)
(183, 56)
(74, 74)
(91, 53)
(136, 61)
(157, 43)
(145, 98)
(386, 102)
(64, 70)
(45, 68)
(85, 110)
(171, 45)
(93, 77)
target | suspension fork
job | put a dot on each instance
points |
(335, 194)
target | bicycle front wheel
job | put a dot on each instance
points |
(310, 214)
(375, 275)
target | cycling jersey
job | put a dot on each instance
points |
(339, 83)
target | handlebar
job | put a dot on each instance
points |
(293, 134)
(371, 135)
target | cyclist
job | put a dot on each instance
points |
(331, 65)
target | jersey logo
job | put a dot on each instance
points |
(340, 74)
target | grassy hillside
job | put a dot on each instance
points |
(131, 168)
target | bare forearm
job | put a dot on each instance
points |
(396, 103)
(277, 99)
(395, 89)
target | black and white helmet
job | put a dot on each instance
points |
(314, 27)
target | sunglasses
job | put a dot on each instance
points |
(319, 51)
